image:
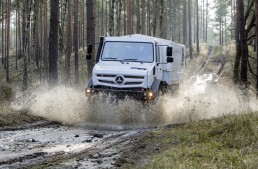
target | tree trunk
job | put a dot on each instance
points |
(96, 13)
(80, 25)
(106, 16)
(220, 31)
(53, 43)
(111, 17)
(118, 18)
(155, 15)
(129, 17)
(75, 41)
(238, 51)
(3, 33)
(172, 18)
(161, 15)
(143, 27)
(19, 35)
(225, 31)
(28, 36)
(198, 27)
(36, 33)
(83, 24)
(124, 17)
(232, 20)
(61, 26)
(185, 23)
(1, 21)
(8, 40)
(102, 18)
(190, 29)
(256, 21)
(45, 48)
(138, 20)
(203, 21)
(68, 43)
(90, 32)
(24, 46)
(243, 42)
(16, 33)
(206, 26)
(148, 18)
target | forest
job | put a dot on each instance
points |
(54, 115)
(42, 40)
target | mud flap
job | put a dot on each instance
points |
(155, 86)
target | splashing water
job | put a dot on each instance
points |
(198, 98)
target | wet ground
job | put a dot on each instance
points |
(45, 143)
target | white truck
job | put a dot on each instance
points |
(136, 65)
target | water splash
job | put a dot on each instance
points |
(198, 98)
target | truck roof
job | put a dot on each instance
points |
(141, 38)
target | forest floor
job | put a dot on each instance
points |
(202, 126)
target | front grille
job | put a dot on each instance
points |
(133, 83)
(128, 79)
(104, 75)
(106, 81)
(134, 77)
(115, 88)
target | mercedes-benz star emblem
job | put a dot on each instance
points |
(119, 80)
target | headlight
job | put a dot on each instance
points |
(150, 95)
(87, 91)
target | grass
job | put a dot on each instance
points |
(226, 142)
(17, 118)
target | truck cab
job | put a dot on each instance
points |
(136, 65)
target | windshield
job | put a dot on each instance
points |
(128, 51)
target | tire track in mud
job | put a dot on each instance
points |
(205, 61)
(216, 71)
(30, 126)
(82, 145)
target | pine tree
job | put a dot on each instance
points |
(190, 29)
(243, 42)
(75, 41)
(68, 43)
(8, 40)
(256, 23)
(53, 43)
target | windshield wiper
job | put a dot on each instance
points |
(113, 59)
(133, 60)
(130, 59)
(110, 58)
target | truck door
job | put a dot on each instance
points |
(167, 67)
(159, 66)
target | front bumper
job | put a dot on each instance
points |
(143, 94)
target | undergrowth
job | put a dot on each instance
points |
(227, 142)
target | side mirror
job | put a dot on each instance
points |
(170, 60)
(169, 51)
(88, 56)
(89, 49)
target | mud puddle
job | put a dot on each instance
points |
(67, 146)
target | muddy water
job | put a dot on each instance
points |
(199, 97)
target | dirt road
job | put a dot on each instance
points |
(45, 143)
